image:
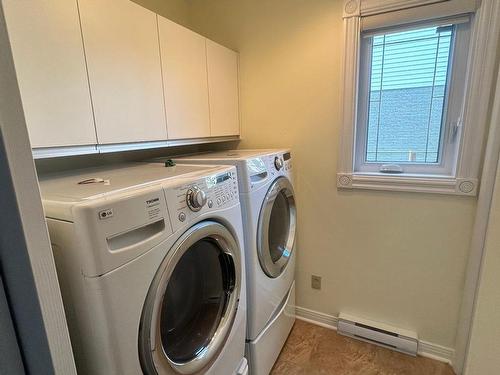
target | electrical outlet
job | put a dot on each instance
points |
(316, 282)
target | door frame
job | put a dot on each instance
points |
(11, 361)
(474, 265)
(26, 260)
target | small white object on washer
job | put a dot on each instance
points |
(151, 268)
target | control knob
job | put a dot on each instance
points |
(278, 163)
(196, 198)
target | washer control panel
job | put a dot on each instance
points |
(197, 196)
(225, 189)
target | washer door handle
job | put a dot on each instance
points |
(228, 261)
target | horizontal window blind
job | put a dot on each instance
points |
(408, 79)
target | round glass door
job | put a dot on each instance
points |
(276, 231)
(192, 302)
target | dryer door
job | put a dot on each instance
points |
(192, 302)
(276, 230)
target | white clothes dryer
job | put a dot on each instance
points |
(151, 268)
(269, 219)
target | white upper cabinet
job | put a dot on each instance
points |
(49, 60)
(183, 56)
(222, 64)
(100, 72)
(123, 58)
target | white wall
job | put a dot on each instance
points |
(393, 257)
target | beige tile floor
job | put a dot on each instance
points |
(315, 350)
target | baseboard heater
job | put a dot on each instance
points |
(400, 340)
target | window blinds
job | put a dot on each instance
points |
(408, 80)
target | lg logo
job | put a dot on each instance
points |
(105, 214)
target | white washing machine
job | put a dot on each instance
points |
(151, 268)
(269, 218)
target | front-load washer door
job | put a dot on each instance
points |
(276, 229)
(192, 302)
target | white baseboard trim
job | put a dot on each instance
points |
(316, 317)
(435, 351)
(425, 348)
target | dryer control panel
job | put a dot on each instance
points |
(197, 196)
(281, 162)
(263, 168)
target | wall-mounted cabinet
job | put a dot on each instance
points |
(107, 75)
(184, 63)
(121, 46)
(222, 68)
(50, 65)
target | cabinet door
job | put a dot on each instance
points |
(223, 90)
(50, 65)
(183, 56)
(123, 57)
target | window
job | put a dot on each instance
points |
(411, 94)
(417, 81)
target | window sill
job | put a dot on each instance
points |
(409, 183)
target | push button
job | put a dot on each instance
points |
(182, 216)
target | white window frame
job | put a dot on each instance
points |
(451, 117)
(460, 174)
